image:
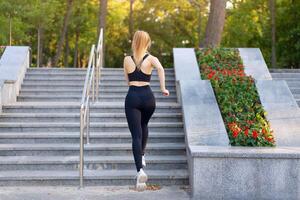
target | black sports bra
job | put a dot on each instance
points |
(138, 75)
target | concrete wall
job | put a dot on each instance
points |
(246, 173)
(254, 63)
(217, 171)
(203, 123)
(282, 110)
(13, 64)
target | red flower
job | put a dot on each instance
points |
(211, 74)
(235, 133)
(246, 131)
(270, 139)
(254, 134)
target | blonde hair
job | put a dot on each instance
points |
(140, 45)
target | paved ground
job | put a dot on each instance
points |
(93, 193)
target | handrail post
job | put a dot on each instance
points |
(88, 122)
(81, 145)
(92, 77)
(97, 75)
(93, 80)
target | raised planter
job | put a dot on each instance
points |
(13, 64)
(220, 171)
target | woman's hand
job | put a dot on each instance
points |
(165, 92)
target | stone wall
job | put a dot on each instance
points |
(219, 171)
(13, 64)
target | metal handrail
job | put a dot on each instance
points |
(91, 85)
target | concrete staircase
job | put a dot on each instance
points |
(292, 77)
(39, 134)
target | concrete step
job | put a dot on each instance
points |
(105, 95)
(95, 137)
(297, 97)
(92, 177)
(81, 82)
(72, 69)
(39, 140)
(48, 70)
(77, 98)
(65, 149)
(272, 70)
(105, 86)
(74, 107)
(102, 91)
(295, 90)
(154, 162)
(286, 75)
(94, 126)
(83, 73)
(82, 78)
(287, 78)
(74, 117)
(293, 83)
(121, 83)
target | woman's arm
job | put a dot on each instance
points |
(161, 75)
(125, 71)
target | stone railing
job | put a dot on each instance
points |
(13, 64)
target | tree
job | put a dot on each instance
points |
(200, 5)
(40, 14)
(273, 27)
(11, 11)
(288, 33)
(131, 19)
(215, 23)
(63, 32)
(102, 23)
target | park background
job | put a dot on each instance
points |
(64, 30)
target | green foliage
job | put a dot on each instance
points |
(240, 106)
(170, 23)
(288, 33)
(248, 25)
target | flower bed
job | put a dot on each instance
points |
(239, 103)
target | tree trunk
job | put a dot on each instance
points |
(10, 30)
(273, 27)
(40, 46)
(63, 32)
(102, 23)
(215, 23)
(76, 48)
(67, 51)
(131, 19)
(199, 27)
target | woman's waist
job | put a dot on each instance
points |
(139, 83)
(140, 88)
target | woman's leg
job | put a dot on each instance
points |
(147, 113)
(133, 116)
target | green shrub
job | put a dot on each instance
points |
(239, 103)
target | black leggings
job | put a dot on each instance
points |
(139, 107)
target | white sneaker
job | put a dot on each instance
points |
(141, 179)
(143, 161)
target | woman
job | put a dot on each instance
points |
(140, 101)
